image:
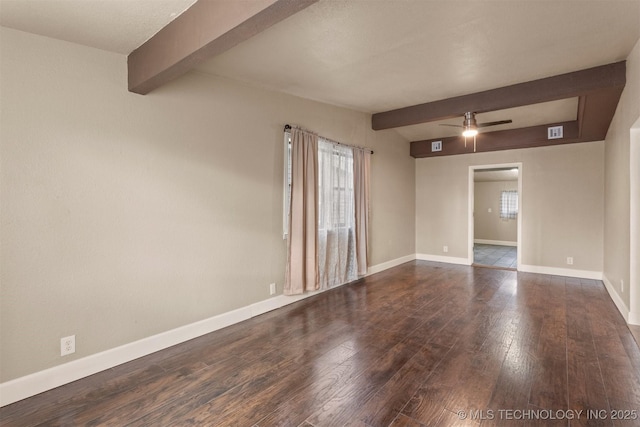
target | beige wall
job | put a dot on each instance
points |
(488, 225)
(393, 202)
(617, 184)
(561, 204)
(124, 216)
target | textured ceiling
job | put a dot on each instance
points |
(377, 55)
(113, 25)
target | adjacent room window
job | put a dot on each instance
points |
(509, 204)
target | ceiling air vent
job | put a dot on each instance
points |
(554, 132)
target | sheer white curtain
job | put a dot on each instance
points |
(336, 216)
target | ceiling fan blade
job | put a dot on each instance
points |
(447, 124)
(499, 122)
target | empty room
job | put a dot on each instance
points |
(319, 213)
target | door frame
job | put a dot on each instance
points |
(471, 226)
(634, 226)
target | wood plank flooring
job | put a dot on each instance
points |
(422, 344)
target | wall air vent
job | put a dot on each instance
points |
(554, 132)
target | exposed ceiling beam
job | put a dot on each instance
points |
(599, 109)
(595, 112)
(534, 136)
(563, 86)
(206, 29)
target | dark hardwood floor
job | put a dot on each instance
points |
(422, 344)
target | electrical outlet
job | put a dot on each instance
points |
(570, 260)
(67, 345)
(272, 289)
(445, 249)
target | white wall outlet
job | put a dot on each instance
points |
(436, 146)
(67, 345)
(445, 249)
(621, 285)
(489, 210)
(272, 289)
(569, 260)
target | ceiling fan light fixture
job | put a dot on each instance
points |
(470, 126)
(468, 132)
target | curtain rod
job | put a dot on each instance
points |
(288, 128)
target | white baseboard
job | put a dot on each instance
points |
(389, 264)
(634, 318)
(555, 271)
(495, 242)
(38, 382)
(446, 259)
(622, 307)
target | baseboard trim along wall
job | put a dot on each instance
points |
(495, 242)
(446, 259)
(389, 264)
(586, 274)
(38, 382)
(620, 305)
(634, 318)
(555, 271)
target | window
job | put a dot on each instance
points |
(509, 204)
(335, 185)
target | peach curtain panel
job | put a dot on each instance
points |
(328, 226)
(361, 175)
(302, 242)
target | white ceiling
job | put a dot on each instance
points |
(377, 55)
(504, 174)
(115, 25)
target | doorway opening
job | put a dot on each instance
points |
(495, 200)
